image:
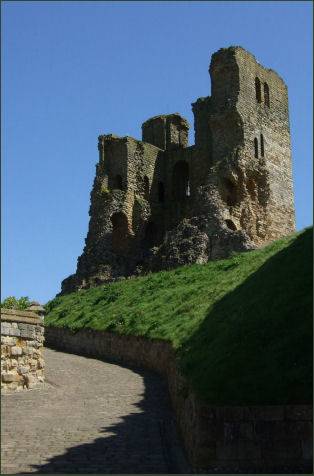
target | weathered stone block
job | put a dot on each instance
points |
(303, 429)
(15, 332)
(205, 455)
(273, 450)
(307, 448)
(27, 350)
(209, 432)
(41, 363)
(249, 450)
(230, 413)
(23, 369)
(27, 332)
(8, 377)
(7, 340)
(16, 350)
(265, 429)
(269, 413)
(30, 381)
(33, 363)
(13, 363)
(227, 451)
(231, 431)
(248, 414)
(5, 351)
(5, 327)
(246, 431)
(34, 344)
(299, 412)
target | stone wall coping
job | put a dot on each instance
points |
(14, 315)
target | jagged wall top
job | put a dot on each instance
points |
(166, 131)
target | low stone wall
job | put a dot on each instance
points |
(22, 337)
(233, 439)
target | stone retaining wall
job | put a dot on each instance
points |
(22, 336)
(233, 439)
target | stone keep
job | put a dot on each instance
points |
(159, 203)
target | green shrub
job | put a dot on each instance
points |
(12, 302)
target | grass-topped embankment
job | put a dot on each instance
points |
(242, 327)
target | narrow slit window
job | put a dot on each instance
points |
(146, 188)
(256, 148)
(118, 182)
(120, 233)
(181, 181)
(258, 90)
(151, 234)
(262, 145)
(230, 192)
(161, 192)
(266, 95)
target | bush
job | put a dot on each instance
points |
(12, 302)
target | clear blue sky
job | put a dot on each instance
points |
(74, 70)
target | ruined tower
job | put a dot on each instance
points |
(159, 203)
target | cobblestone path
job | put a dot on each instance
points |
(90, 417)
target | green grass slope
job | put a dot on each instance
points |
(242, 327)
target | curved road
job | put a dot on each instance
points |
(90, 417)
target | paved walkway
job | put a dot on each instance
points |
(90, 417)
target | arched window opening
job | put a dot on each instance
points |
(118, 182)
(161, 192)
(231, 225)
(251, 188)
(146, 188)
(180, 181)
(258, 90)
(262, 145)
(151, 233)
(120, 232)
(230, 192)
(266, 94)
(256, 148)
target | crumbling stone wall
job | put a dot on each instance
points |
(22, 337)
(159, 203)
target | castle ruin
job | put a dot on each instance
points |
(160, 203)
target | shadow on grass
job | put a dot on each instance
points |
(255, 345)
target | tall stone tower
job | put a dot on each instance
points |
(159, 203)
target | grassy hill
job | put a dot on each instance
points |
(242, 327)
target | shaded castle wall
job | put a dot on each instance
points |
(124, 197)
(255, 188)
(269, 124)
